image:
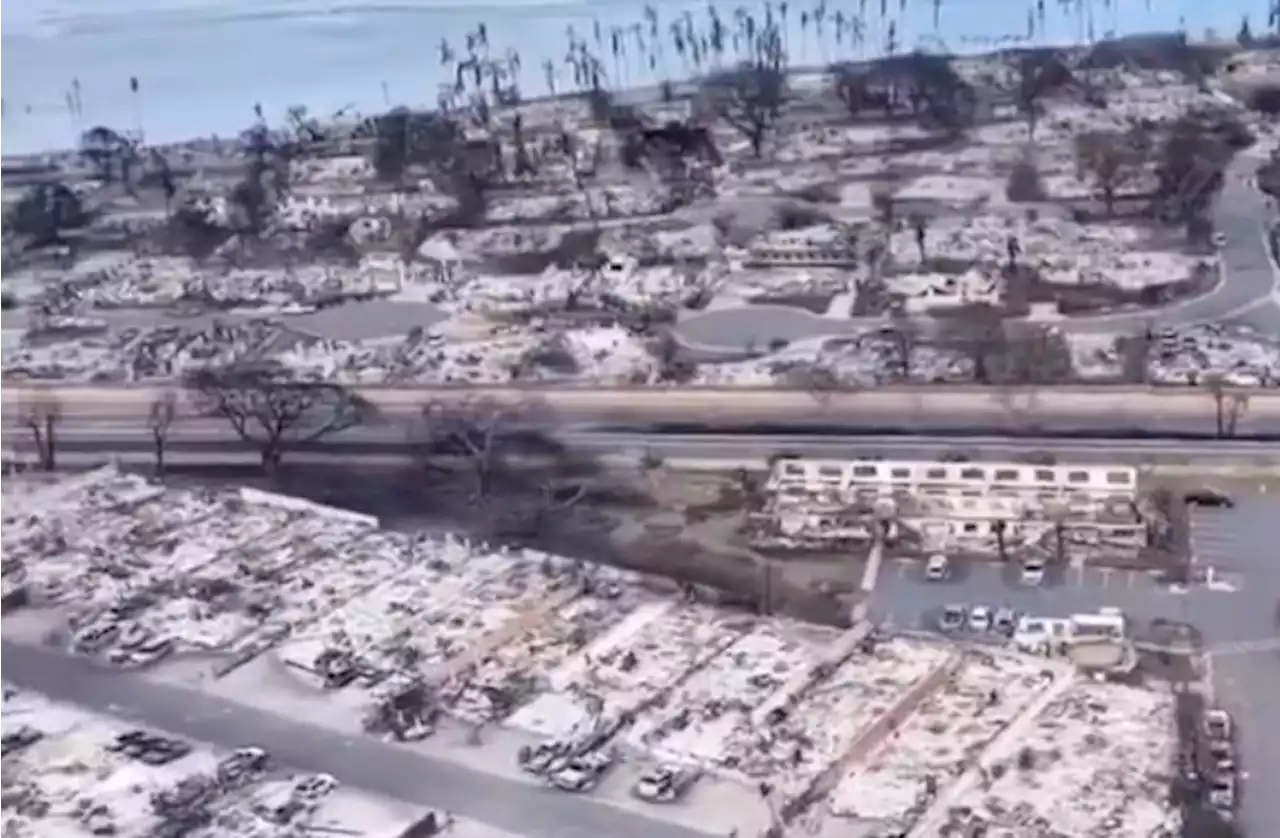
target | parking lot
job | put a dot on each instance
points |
(1239, 543)
(905, 599)
(1237, 614)
(1227, 540)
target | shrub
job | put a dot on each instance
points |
(798, 217)
(1265, 98)
(1024, 183)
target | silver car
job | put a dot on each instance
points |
(953, 618)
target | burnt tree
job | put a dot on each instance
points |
(750, 96)
(273, 412)
(41, 414)
(474, 429)
(1111, 160)
(160, 416)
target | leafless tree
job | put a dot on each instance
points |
(750, 96)
(472, 429)
(1218, 392)
(557, 492)
(41, 415)
(408, 232)
(1039, 75)
(1135, 352)
(672, 367)
(272, 411)
(1228, 407)
(1236, 409)
(906, 335)
(818, 380)
(978, 331)
(885, 205)
(920, 227)
(160, 418)
(1036, 354)
(1058, 512)
(1112, 160)
(1190, 163)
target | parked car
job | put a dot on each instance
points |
(1217, 724)
(150, 748)
(141, 654)
(1209, 497)
(95, 637)
(665, 783)
(1222, 757)
(582, 772)
(953, 618)
(132, 635)
(163, 751)
(24, 737)
(128, 742)
(1222, 793)
(242, 766)
(980, 618)
(314, 786)
(543, 757)
(1005, 621)
(938, 568)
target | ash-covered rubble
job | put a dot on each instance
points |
(1199, 355)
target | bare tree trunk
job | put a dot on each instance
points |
(158, 441)
(272, 454)
(49, 454)
(1239, 407)
(37, 437)
(765, 601)
(483, 476)
(163, 412)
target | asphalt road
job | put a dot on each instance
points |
(215, 440)
(940, 410)
(362, 762)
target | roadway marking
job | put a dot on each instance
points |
(1079, 569)
(1105, 573)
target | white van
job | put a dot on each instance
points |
(1105, 624)
(1039, 635)
(938, 568)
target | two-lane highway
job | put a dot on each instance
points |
(211, 440)
(940, 410)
